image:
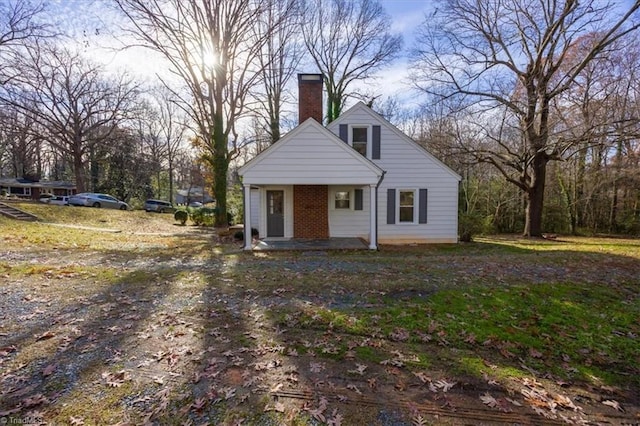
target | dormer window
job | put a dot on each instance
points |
(360, 139)
(363, 138)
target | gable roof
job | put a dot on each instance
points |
(360, 107)
(310, 154)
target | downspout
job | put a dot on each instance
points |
(384, 172)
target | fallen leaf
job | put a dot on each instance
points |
(316, 367)
(444, 385)
(612, 403)
(354, 388)
(336, 420)
(278, 406)
(6, 350)
(489, 400)
(49, 369)
(535, 353)
(46, 335)
(76, 421)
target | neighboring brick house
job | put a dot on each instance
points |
(318, 182)
(28, 189)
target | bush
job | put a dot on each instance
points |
(203, 216)
(181, 216)
(470, 224)
(630, 225)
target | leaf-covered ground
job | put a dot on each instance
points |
(161, 324)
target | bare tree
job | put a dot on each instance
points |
(279, 59)
(212, 47)
(509, 55)
(21, 144)
(75, 105)
(21, 21)
(162, 127)
(349, 41)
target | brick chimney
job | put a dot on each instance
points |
(309, 97)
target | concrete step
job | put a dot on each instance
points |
(16, 213)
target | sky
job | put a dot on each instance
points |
(82, 17)
(406, 16)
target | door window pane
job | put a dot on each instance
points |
(276, 202)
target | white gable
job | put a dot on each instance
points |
(310, 155)
(361, 114)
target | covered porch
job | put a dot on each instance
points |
(310, 186)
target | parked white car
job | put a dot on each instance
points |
(91, 199)
(59, 200)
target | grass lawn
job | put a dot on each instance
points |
(146, 320)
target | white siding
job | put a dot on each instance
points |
(349, 223)
(310, 156)
(408, 166)
(255, 209)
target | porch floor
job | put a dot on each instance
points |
(310, 244)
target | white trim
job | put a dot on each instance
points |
(373, 218)
(416, 205)
(248, 238)
(369, 137)
(332, 197)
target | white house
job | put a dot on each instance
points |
(358, 177)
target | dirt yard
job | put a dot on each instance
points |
(147, 322)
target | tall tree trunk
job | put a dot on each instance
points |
(220, 167)
(79, 173)
(535, 196)
(566, 193)
(275, 128)
(170, 181)
(613, 216)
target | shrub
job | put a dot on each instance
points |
(470, 224)
(203, 216)
(181, 216)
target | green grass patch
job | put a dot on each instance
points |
(572, 330)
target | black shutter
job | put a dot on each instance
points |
(391, 206)
(422, 202)
(375, 149)
(344, 132)
(358, 204)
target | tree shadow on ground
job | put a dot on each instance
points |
(82, 343)
(220, 336)
(294, 344)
